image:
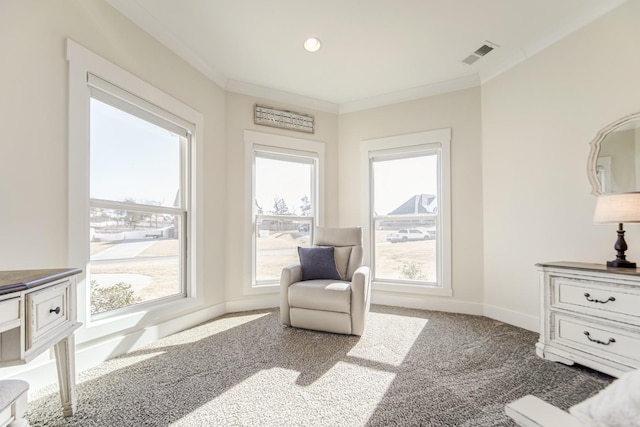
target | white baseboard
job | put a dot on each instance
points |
(427, 303)
(254, 303)
(511, 317)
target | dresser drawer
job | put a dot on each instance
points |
(9, 314)
(601, 299)
(47, 310)
(603, 340)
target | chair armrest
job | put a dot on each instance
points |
(529, 411)
(360, 299)
(290, 274)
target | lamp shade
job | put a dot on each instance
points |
(621, 207)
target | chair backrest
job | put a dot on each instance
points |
(347, 243)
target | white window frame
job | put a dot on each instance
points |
(435, 141)
(115, 97)
(82, 63)
(286, 147)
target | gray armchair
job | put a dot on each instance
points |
(338, 306)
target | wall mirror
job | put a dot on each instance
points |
(614, 159)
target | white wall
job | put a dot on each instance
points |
(33, 125)
(33, 107)
(457, 110)
(537, 121)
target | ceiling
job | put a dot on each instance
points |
(373, 51)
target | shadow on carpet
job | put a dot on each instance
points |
(410, 368)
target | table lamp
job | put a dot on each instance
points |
(618, 208)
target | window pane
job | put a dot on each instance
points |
(132, 159)
(405, 186)
(406, 250)
(283, 187)
(277, 244)
(135, 257)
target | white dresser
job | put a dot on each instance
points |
(590, 314)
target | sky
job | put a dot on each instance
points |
(137, 160)
(282, 179)
(132, 158)
(396, 181)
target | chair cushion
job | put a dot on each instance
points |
(337, 236)
(326, 295)
(318, 263)
(342, 255)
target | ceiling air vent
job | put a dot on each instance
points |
(480, 52)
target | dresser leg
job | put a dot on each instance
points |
(544, 353)
(65, 361)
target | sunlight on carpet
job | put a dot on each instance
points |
(197, 333)
(124, 361)
(345, 392)
(410, 367)
(389, 348)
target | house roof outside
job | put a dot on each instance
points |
(418, 204)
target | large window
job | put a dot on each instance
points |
(408, 212)
(137, 204)
(134, 174)
(285, 186)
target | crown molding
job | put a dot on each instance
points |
(350, 107)
(411, 94)
(145, 20)
(280, 96)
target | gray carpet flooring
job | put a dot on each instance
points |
(410, 368)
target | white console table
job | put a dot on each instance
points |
(38, 311)
(590, 314)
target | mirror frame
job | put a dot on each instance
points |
(595, 150)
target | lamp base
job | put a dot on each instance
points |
(621, 263)
(620, 247)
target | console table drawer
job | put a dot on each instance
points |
(9, 314)
(44, 302)
(47, 310)
(598, 339)
(597, 298)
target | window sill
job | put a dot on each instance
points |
(270, 288)
(412, 289)
(145, 317)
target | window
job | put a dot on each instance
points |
(137, 211)
(284, 205)
(408, 212)
(285, 180)
(133, 196)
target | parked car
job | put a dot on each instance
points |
(303, 228)
(405, 235)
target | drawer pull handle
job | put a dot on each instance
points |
(588, 297)
(55, 310)
(611, 340)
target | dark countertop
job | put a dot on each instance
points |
(20, 280)
(600, 268)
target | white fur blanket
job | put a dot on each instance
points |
(618, 405)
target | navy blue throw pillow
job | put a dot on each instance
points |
(318, 263)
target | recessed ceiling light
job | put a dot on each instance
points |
(312, 44)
